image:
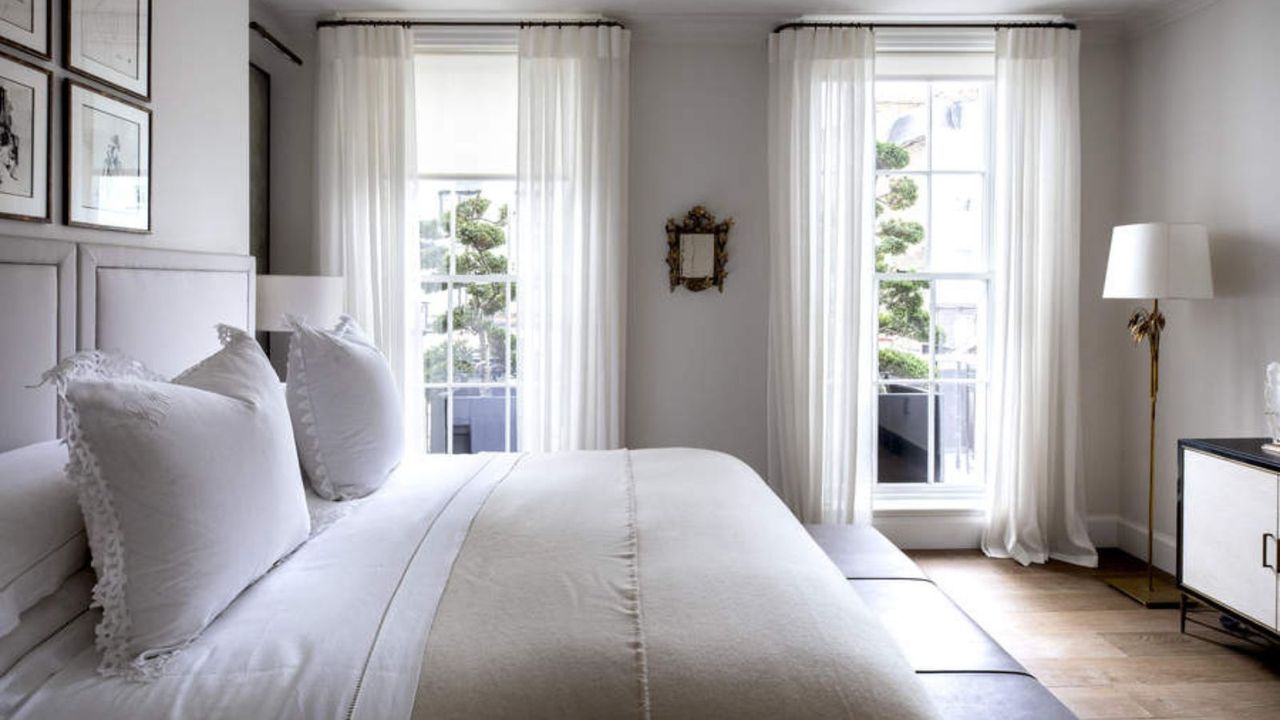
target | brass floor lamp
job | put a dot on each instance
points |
(1150, 261)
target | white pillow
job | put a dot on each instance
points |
(346, 410)
(42, 538)
(190, 490)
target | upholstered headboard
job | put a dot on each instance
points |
(159, 306)
(37, 328)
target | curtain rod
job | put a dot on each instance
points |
(874, 25)
(275, 41)
(471, 23)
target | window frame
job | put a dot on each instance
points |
(932, 491)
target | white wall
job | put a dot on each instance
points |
(696, 361)
(200, 149)
(1201, 145)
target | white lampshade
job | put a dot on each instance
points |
(318, 300)
(1159, 260)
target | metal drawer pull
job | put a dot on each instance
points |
(1266, 564)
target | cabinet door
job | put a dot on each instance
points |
(1228, 508)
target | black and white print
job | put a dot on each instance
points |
(24, 140)
(25, 24)
(109, 40)
(108, 161)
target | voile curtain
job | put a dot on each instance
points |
(570, 241)
(821, 321)
(1036, 491)
(366, 174)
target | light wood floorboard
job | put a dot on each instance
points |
(1100, 653)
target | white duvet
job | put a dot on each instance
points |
(340, 628)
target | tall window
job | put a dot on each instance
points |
(932, 274)
(466, 109)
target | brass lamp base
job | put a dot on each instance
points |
(1158, 594)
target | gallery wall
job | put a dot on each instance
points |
(200, 155)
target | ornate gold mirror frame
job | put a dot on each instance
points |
(697, 250)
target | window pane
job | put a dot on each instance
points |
(466, 113)
(903, 455)
(959, 126)
(480, 418)
(435, 351)
(960, 308)
(479, 332)
(903, 339)
(956, 242)
(483, 217)
(435, 210)
(902, 203)
(958, 415)
(902, 125)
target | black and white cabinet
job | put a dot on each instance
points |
(1228, 522)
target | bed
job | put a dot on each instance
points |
(649, 583)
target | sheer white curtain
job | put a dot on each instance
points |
(821, 322)
(1037, 494)
(365, 157)
(570, 241)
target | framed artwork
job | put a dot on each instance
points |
(24, 140)
(110, 41)
(24, 24)
(108, 161)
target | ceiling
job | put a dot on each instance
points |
(1076, 9)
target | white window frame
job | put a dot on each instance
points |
(429, 45)
(933, 493)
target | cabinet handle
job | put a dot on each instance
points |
(1265, 564)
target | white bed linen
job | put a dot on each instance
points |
(295, 644)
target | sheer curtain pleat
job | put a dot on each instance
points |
(366, 175)
(1036, 491)
(821, 313)
(570, 241)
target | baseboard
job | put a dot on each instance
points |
(1104, 530)
(1132, 538)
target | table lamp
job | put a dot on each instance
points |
(316, 299)
(1151, 261)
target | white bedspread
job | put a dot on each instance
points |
(339, 629)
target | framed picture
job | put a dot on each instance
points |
(110, 41)
(24, 140)
(24, 24)
(108, 161)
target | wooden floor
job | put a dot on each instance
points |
(1100, 653)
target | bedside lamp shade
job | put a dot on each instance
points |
(1159, 260)
(316, 299)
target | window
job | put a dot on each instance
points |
(932, 273)
(466, 115)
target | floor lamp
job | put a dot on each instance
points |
(1151, 261)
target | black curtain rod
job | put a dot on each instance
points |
(874, 25)
(275, 41)
(472, 23)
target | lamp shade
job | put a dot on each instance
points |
(316, 299)
(1159, 260)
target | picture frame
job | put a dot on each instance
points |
(697, 251)
(109, 41)
(25, 25)
(25, 128)
(107, 161)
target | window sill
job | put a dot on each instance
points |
(922, 504)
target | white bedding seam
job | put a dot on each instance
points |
(633, 539)
(355, 699)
